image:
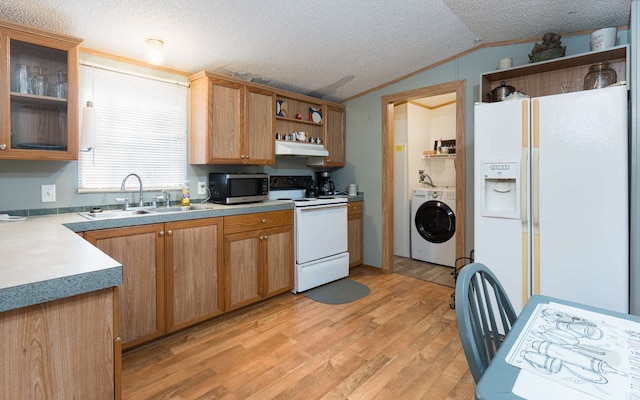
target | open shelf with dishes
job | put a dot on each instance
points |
(298, 110)
(297, 121)
(547, 77)
(298, 114)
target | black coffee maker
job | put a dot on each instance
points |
(312, 189)
(326, 187)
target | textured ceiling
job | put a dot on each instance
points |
(333, 49)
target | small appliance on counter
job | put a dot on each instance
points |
(326, 187)
(237, 188)
(312, 190)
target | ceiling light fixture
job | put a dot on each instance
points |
(155, 51)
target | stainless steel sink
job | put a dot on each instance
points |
(106, 214)
(136, 212)
(172, 209)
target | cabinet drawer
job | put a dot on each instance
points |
(250, 222)
(354, 207)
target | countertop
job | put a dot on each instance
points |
(43, 259)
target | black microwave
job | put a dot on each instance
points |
(238, 188)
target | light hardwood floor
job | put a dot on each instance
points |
(422, 270)
(399, 342)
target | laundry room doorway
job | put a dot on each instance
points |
(415, 156)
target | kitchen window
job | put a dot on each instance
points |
(142, 128)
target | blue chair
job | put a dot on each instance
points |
(482, 324)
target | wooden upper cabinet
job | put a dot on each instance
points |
(334, 136)
(216, 121)
(231, 123)
(259, 144)
(39, 94)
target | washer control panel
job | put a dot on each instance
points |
(442, 194)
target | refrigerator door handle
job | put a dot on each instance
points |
(523, 162)
(535, 196)
(535, 164)
(524, 184)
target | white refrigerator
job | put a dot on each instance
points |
(551, 209)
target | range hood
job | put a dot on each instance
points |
(290, 148)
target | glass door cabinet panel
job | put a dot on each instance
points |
(41, 110)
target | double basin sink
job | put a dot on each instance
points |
(138, 211)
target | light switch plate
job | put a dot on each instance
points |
(48, 193)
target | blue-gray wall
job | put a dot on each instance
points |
(364, 130)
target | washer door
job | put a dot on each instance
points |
(435, 221)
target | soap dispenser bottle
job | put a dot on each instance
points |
(185, 195)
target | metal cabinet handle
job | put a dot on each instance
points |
(169, 232)
(3, 146)
(264, 221)
(161, 233)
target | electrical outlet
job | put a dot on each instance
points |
(48, 193)
(202, 187)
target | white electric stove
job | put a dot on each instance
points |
(320, 238)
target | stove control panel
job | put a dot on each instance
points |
(289, 181)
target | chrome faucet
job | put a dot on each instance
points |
(140, 203)
(167, 198)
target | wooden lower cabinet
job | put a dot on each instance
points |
(258, 252)
(354, 228)
(140, 250)
(61, 349)
(171, 275)
(278, 260)
(193, 271)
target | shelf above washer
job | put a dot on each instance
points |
(424, 157)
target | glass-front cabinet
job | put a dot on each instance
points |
(38, 94)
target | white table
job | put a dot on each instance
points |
(560, 349)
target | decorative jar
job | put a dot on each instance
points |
(600, 75)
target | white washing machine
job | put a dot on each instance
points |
(433, 226)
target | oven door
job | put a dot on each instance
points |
(320, 231)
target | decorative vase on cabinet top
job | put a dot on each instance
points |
(600, 75)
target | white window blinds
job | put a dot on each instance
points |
(141, 128)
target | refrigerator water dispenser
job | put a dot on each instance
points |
(500, 187)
